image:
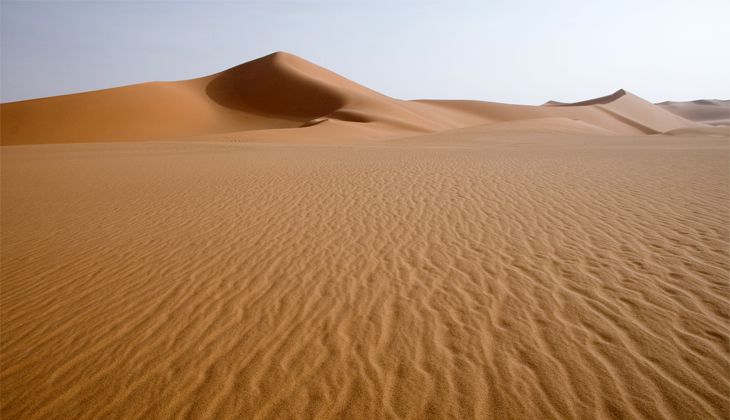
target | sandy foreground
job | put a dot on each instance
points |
(573, 277)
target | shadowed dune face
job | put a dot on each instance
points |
(278, 85)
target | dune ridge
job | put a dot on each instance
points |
(283, 92)
(597, 101)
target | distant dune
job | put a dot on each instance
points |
(711, 112)
(278, 242)
(282, 97)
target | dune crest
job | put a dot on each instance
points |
(282, 85)
(597, 101)
(283, 92)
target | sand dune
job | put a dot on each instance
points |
(282, 92)
(712, 112)
(273, 92)
(621, 113)
(292, 245)
(596, 101)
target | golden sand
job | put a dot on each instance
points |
(405, 260)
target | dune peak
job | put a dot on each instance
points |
(597, 101)
(284, 85)
(279, 84)
(270, 95)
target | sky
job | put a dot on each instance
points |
(520, 52)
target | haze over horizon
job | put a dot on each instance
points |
(521, 52)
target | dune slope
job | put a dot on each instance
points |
(280, 93)
(712, 112)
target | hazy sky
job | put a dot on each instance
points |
(525, 52)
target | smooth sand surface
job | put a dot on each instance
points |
(292, 245)
(712, 112)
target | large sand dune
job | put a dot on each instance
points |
(282, 91)
(404, 260)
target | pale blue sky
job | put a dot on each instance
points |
(525, 52)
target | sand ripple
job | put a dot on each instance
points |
(229, 281)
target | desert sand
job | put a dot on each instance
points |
(276, 241)
(712, 112)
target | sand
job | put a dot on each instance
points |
(495, 262)
(712, 112)
(286, 99)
